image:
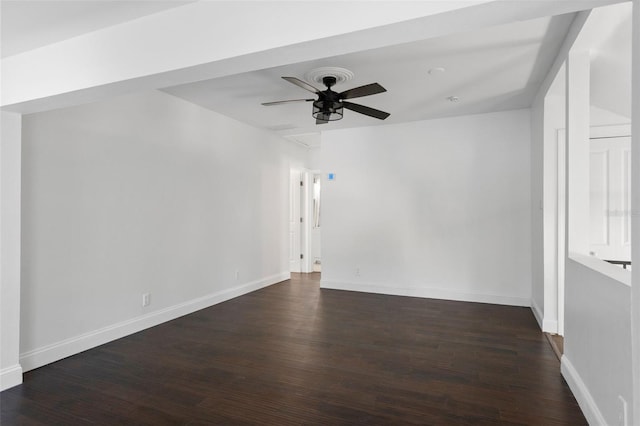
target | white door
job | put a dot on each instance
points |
(295, 263)
(610, 198)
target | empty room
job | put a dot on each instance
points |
(347, 212)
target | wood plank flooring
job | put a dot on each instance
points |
(557, 344)
(293, 354)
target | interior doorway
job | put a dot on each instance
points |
(296, 197)
(305, 221)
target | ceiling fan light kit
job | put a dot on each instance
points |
(330, 105)
(327, 110)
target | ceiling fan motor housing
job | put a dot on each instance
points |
(329, 81)
(328, 106)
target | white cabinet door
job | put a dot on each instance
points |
(610, 198)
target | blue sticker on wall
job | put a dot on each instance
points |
(331, 176)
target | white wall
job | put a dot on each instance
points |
(578, 151)
(635, 205)
(538, 250)
(601, 117)
(611, 62)
(597, 346)
(597, 361)
(314, 158)
(10, 369)
(144, 193)
(436, 208)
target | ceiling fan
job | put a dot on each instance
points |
(329, 105)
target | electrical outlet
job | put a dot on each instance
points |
(146, 299)
(237, 275)
(357, 271)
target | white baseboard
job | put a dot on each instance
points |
(10, 377)
(426, 292)
(550, 326)
(546, 325)
(581, 393)
(537, 313)
(59, 350)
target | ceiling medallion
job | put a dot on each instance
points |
(317, 75)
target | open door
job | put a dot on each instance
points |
(304, 221)
(295, 218)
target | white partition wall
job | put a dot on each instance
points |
(577, 87)
(10, 165)
(598, 358)
(635, 200)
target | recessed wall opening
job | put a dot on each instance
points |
(599, 138)
(587, 157)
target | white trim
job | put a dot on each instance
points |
(581, 393)
(546, 325)
(635, 207)
(610, 131)
(537, 313)
(550, 326)
(306, 214)
(294, 140)
(10, 377)
(426, 292)
(623, 276)
(59, 350)
(561, 225)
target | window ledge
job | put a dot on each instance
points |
(614, 272)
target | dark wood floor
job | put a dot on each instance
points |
(557, 344)
(293, 354)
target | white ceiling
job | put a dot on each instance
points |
(493, 69)
(29, 24)
(607, 36)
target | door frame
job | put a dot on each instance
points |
(306, 215)
(561, 234)
(295, 211)
(307, 219)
